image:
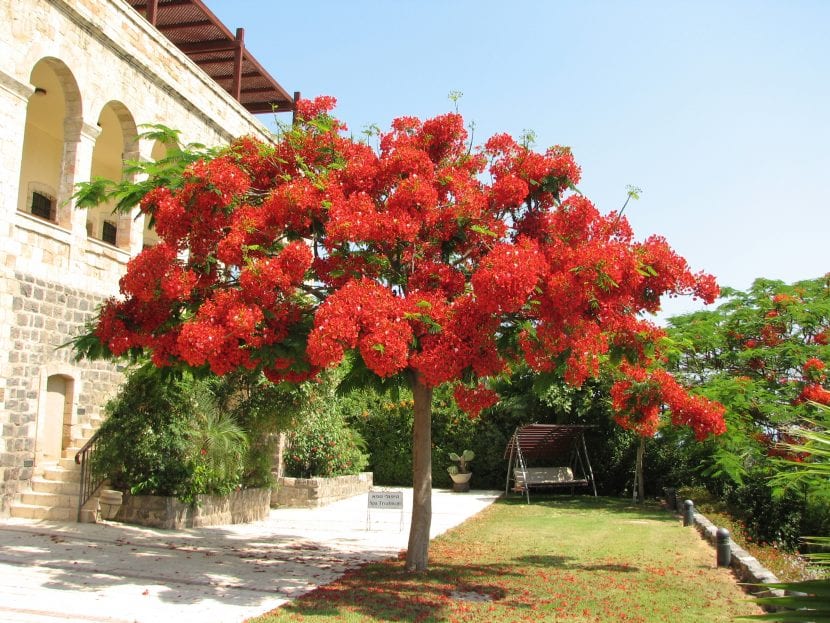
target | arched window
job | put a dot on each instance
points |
(55, 101)
(115, 145)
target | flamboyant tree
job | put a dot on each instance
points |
(423, 259)
(762, 353)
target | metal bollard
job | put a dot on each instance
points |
(723, 548)
(671, 498)
(688, 513)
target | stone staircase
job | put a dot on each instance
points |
(53, 495)
(54, 492)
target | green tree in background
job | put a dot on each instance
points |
(762, 354)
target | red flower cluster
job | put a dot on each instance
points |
(508, 275)
(473, 401)
(365, 315)
(284, 257)
(640, 396)
(813, 378)
(815, 393)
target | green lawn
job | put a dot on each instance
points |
(558, 559)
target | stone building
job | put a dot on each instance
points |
(78, 78)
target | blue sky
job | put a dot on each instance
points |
(718, 111)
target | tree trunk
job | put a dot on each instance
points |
(641, 487)
(418, 549)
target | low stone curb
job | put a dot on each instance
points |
(746, 566)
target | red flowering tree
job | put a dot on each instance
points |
(426, 259)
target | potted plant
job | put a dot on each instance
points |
(461, 473)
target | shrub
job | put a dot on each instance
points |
(768, 519)
(221, 443)
(321, 443)
(262, 409)
(166, 435)
(386, 425)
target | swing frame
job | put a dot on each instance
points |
(548, 441)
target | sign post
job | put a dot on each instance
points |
(384, 500)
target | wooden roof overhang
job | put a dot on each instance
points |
(197, 32)
(545, 440)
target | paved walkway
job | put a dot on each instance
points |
(115, 573)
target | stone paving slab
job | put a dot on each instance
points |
(115, 573)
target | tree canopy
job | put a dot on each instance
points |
(421, 258)
(763, 354)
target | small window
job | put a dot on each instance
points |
(108, 232)
(43, 206)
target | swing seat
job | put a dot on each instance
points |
(543, 477)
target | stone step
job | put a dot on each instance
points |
(90, 514)
(70, 452)
(78, 442)
(87, 430)
(68, 464)
(51, 500)
(42, 485)
(30, 511)
(62, 475)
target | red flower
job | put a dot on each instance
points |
(474, 400)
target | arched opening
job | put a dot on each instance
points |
(115, 144)
(54, 426)
(150, 237)
(55, 101)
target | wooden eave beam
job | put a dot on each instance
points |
(226, 81)
(216, 45)
(183, 25)
(259, 108)
(168, 4)
(255, 90)
(151, 9)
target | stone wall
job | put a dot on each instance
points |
(316, 492)
(169, 513)
(46, 315)
(95, 56)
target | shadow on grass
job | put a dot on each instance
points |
(386, 591)
(565, 562)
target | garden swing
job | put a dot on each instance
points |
(562, 444)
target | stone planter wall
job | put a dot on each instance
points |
(169, 513)
(315, 492)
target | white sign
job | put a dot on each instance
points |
(386, 499)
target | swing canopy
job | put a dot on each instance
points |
(560, 446)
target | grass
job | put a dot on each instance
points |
(558, 559)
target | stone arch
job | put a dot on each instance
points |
(149, 236)
(116, 144)
(57, 400)
(53, 122)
